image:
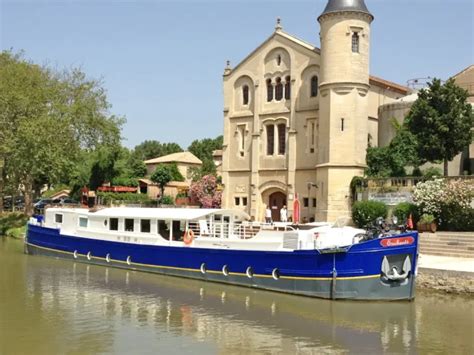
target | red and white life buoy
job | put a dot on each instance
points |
(188, 237)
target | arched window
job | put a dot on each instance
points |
(281, 139)
(278, 60)
(245, 94)
(269, 90)
(314, 86)
(355, 42)
(287, 88)
(278, 89)
(270, 139)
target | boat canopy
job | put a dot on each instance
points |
(184, 214)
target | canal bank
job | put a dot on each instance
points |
(446, 274)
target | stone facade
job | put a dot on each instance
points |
(298, 119)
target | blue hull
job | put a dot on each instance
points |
(351, 274)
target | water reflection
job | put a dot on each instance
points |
(82, 308)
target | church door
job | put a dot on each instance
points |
(276, 202)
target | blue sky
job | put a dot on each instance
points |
(162, 61)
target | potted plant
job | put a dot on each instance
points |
(182, 199)
(427, 223)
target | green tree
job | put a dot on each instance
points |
(150, 149)
(442, 121)
(47, 119)
(203, 149)
(391, 161)
(161, 176)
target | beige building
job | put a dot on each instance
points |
(298, 119)
(185, 161)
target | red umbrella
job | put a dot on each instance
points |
(296, 209)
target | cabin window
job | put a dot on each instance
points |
(164, 229)
(83, 222)
(179, 227)
(145, 226)
(58, 218)
(129, 224)
(113, 225)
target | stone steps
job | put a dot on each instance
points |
(447, 244)
(442, 252)
(457, 244)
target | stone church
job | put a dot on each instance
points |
(298, 119)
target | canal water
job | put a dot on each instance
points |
(53, 306)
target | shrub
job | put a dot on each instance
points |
(432, 172)
(403, 210)
(365, 212)
(167, 200)
(206, 192)
(427, 218)
(17, 232)
(449, 202)
(456, 218)
(117, 197)
(11, 220)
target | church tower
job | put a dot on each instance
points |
(343, 116)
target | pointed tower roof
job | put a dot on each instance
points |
(346, 5)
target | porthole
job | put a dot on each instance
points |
(107, 258)
(129, 260)
(225, 270)
(203, 268)
(75, 254)
(249, 272)
(276, 274)
(89, 256)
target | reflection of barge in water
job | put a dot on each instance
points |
(222, 246)
(225, 315)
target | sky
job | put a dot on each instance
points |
(161, 62)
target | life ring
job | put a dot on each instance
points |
(188, 237)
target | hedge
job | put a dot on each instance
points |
(365, 212)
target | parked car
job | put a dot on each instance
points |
(41, 204)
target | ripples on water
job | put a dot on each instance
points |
(53, 306)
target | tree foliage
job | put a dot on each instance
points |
(163, 174)
(203, 149)
(442, 121)
(150, 149)
(47, 119)
(392, 160)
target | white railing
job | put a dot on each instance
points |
(241, 230)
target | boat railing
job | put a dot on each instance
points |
(240, 230)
